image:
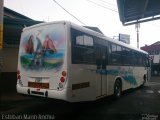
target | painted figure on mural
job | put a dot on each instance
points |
(48, 44)
(38, 54)
(29, 46)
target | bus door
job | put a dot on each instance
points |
(101, 76)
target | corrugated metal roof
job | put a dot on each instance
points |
(13, 24)
(94, 29)
(14, 15)
(137, 11)
(152, 47)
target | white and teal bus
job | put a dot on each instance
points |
(62, 60)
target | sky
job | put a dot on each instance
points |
(104, 15)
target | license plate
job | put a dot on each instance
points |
(38, 85)
(38, 80)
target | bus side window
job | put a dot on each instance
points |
(82, 48)
(104, 61)
(98, 63)
(147, 61)
(98, 58)
(101, 59)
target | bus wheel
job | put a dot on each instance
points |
(117, 89)
(144, 80)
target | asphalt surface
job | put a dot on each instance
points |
(138, 104)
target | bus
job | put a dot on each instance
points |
(65, 61)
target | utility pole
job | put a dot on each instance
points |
(1, 24)
(137, 26)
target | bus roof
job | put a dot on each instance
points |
(43, 24)
(88, 31)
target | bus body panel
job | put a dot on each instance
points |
(130, 76)
(64, 94)
(83, 82)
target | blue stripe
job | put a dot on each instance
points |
(127, 76)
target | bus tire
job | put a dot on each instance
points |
(117, 89)
(144, 80)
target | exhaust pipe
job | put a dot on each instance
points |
(28, 91)
(46, 94)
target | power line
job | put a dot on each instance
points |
(68, 12)
(108, 3)
(102, 6)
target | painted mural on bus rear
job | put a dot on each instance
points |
(42, 49)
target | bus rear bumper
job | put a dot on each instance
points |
(56, 94)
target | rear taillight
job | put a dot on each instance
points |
(19, 78)
(64, 73)
(62, 79)
(18, 75)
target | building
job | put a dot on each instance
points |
(13, 23)
(154, 52)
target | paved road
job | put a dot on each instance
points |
(139, 104)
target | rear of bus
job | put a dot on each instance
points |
(42, 63)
